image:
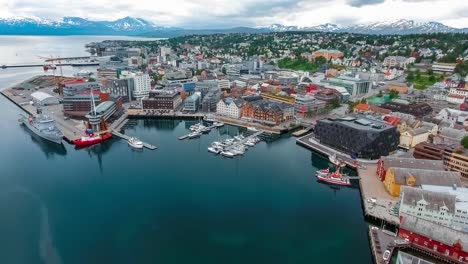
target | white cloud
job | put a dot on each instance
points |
(223, 13)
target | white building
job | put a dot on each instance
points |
(443, 67)
(428, 205)
(460, 196)
(224, 84)
(230, 107)
(452, 116)
(141, 83)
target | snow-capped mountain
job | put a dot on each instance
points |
(76, 26)
(139, 26)
(400, 27)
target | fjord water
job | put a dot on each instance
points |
(177, 204)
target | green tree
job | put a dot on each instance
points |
(91, 79)
(432, 78)
(464, 142)
(418, 74)
(335, 103)
(393, 94)
(430, 72)
(224, 71)
(410, 76)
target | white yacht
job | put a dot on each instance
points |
(218, 124)
(253, 129)
(135, 143)
(227, 154)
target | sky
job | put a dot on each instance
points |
(228, 13)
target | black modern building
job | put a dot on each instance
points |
(359, 137)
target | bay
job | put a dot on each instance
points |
(177, 204)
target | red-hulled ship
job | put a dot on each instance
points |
(333, 177)
(91, 139)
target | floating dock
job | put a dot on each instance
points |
(123, 136)
(241, 142)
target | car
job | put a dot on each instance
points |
(386, 255)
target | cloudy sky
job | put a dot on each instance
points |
(226, 13)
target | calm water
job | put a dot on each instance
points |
(177, 204)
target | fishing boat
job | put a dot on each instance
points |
(333, 178)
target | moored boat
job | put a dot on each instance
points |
(91, 139)
(135, 143)
(333, 178)
(44, 126)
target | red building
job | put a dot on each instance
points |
(439, 241)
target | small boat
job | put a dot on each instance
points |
(215, 150)
(249, 143)
(336, 161)
(183, 137)
(205, 130)
(333, 178)
(253, 129)
(135, 143)
(227, 154)
(218, 124)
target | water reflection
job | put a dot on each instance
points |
(50, 149)
(163, 124)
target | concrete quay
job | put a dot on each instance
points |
(376, 201)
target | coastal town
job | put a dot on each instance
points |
(393, 108)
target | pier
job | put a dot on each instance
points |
(123, 136)
(31, 65)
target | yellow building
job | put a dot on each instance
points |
(411, 138)
(396, 177)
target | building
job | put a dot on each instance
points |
(453, 116)
(354, 86)
(102, 112)
(142, 85)
(396, 62)
(118, 87)
(210, 100)
(279, 98)
(430, 151)
(305, 104)
(401, 88)
(43, 99)
(443, 67)
(358, 137)
(450, 136)
(415, 109)
(77, 98)
(398, 162)
(162, 100)
(456, 159)
(411, 138)
(267, 112)
(192, 102)
(435, 239)
(361, 108)
(103, 73)
(395, 178)
(224, 85)
(444, 205)
(327, 54)
(405, 258)
(230, 107)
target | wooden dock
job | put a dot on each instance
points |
(123, 136)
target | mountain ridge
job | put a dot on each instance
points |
(132, 26)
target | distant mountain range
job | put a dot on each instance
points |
(130, 26)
